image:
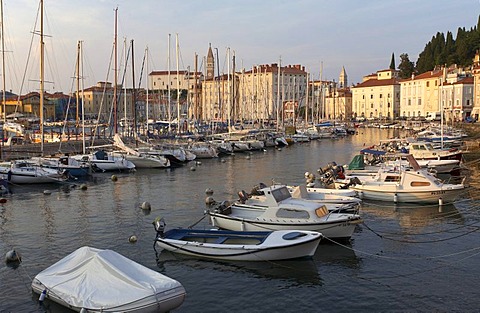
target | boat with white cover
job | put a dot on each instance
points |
(105, 162)
(95, 280)
(238, 245)
(277, 215)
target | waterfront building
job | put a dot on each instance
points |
(99, 100)
(377, 96)
(338, 99)
(476, 87)
(443, 89)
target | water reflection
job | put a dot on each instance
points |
(299, 272)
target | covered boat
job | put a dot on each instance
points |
(238, 245)
(94, 280)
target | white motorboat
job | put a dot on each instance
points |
(238, 245)
(277, 215)
(426, 151)
(294, 196)
(302, 192)
(28, 172)
(94, 280)
(105, 162)
(407, 184)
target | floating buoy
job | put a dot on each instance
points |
(42, 296)
(247, 157)
(210, 201)
(47, 192)
(198, 163)
(146, 206)
(395, 198)
(83, 187)
(13, 256)
(279, 149)
(114, 178)
(132, 239)
(193, 168)
(223, 160)
(3, 200)
(440, 201)
(209, 191)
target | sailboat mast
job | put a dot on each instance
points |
(3, 65)
(147, 100)
(177, 57)
(42, 78)
(80, 52)
(115, 100)
(168, 87)
(134, 95)
(78, 85)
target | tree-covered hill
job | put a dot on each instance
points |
(445, 50)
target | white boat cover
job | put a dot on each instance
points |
(91, 278)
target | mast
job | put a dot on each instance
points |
(147, 104)
(83, 100)
(229, 90)
(134, 96)
(168, 87)
(278, 93)
(306, 105)
(42, 78)
(178, 82)
(115, 100)
(3, 65)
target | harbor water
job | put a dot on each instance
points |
(401, 259)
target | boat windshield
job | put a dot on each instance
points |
(281, 194)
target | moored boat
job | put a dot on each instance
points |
(238, 245)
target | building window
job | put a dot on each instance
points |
(428, 84)
(371, 96)
(381, 96)
(371, 105)
(419, 101)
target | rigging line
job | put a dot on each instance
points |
(28, 58)
(424, 241)
(403, 258)
(141, 71)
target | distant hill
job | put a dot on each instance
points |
(444, 49)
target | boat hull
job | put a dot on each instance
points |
(337, 230)
(273, 248)
(391, 194)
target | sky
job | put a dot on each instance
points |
(321, 35)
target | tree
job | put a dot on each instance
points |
(392, 62)
(406, 68)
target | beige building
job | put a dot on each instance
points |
(450, 90)
(476, 87)
(377, 97)
(99, 99)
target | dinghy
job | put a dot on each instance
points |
(238, 245)
(94, 280)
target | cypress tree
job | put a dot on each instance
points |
(392, 62)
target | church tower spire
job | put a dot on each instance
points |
(210, 63)
(343, 79)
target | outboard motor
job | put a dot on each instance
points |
(243, 196)
(159, 224)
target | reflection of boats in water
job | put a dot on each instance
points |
(415, 218)
(298, 271)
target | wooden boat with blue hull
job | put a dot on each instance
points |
(238, 245)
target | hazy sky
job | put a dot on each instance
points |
(360, 35)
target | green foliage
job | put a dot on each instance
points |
(445, 50)
(406, 67)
